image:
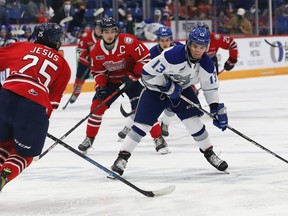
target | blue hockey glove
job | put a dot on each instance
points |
(220, 113)
(101, 92)
(172, 90)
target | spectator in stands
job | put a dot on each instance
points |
(239, 25)
(147, 29)
(79, 16)
(4, 20)
(32, 10)
(129, 24)
(65, 11)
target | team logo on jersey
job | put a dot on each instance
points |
(84, 34)
(33, 92)
(100, 57)
(128, 40)
(112, 66)
(217, 36)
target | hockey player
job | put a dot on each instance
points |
(116, 58)
(39, 76)
(216, 41)
(87, 40)
(165, 40)
(167, 76)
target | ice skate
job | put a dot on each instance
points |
(214, 160)
(123, 133)
(86, 144)
(164, 129)
(161, 145)
(4, 177)
(120, 163)
(73, 99)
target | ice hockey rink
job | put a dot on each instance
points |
(62, 183)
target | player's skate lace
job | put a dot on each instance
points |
(86, 144)
(123, 133)
(214, 160)
(120, 163)
(164, 129)
(4, 177)
(73, 98)
(161, 145)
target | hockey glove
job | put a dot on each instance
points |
(129, 79)
(220, 113)
(229, 64)
(171, 89)
(101, 92)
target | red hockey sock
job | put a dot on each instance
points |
(156, 130)
(5, 148)
(95, 120)
(16, 163)
(79, 88)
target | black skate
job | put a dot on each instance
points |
(4, 177)
(161, 145)
(73, 99)
(86, 144)
(164, 129)
(120, 163)
(214, 160)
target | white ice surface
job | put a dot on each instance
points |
(62, 183)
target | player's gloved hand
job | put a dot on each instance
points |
(129, 79)
(220, 113)
(173, 91)
(229, 64)
(101, 92)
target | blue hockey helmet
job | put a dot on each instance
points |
(49, 34)
(3, 28)
(199, 35)
(27, 28)
(164, 32)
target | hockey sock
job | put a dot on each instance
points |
(79, 88)
(156, 130)
(16, 163)
(95, 120)
(5, 148)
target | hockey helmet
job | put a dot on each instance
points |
(108, 23)
(199, 35)
(164, 32)
(27, 28)
(49, 34)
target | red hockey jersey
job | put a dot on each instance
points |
(128, 56)
(37, 72)
(222, 41)
(87, 40)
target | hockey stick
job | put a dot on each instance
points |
(81, 121)
(276, 44)
(124, 113)
(232, 129)
(98, 12)
(77, 86)
(160, 192)
(66, 19)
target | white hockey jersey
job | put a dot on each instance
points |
(173, 63)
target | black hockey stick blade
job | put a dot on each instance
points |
(275, 45)
(124, 113)
(160, 192)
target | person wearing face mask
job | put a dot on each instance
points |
(239, 25)
(63, 12)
